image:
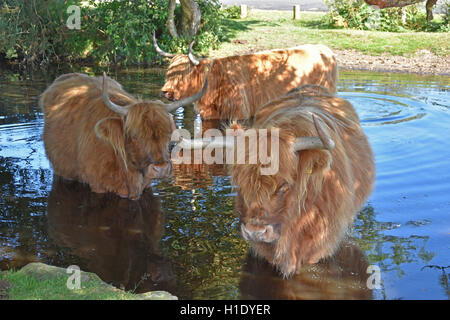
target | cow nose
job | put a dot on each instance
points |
(166, 94)
(264, 233)
(161, 170)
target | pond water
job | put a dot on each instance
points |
(183, 236)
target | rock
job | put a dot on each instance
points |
(156, 295)
(239, 41)
(43, 271)
(4, 287)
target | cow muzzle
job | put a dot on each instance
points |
(169, 95)
(262, 233)
(160, 170)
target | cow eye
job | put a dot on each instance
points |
(283, 188)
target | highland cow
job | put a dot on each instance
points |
(326, 172)
(240, 84)
(97, 133)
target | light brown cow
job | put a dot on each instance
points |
(238, 85)
(97, 133)
(326, 172)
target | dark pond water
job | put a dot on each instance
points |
(183, 237)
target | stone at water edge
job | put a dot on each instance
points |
(43, 271)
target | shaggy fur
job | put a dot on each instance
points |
(311, 201)
(87, 142)
(238, 85)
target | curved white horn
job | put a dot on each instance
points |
(159, 50)
(323, 141)
(186, 101)
(191, 56)
(111, 105)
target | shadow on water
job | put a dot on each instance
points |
(183, 237)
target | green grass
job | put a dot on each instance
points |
(27, 287)
(265, 29)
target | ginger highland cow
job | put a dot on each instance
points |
(326, 172)
(239, 84)
(97, 133)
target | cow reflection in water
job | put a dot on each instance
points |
(343, 276)
(118, 238)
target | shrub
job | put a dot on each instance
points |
(231, 12)
(35, 32)
(122, 30)
(356, 14)
(32, 31)
(446, 10)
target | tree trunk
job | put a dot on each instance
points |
(171, 19)
(429, 6)
(190, 18)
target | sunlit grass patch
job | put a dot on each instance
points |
(267, 29)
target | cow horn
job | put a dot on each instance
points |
(191, 56)
(159, 50)
(175, 105)
(111, 105)
(320, 142)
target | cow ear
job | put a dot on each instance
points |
(315, 161)
(321, 161)
(111, 131)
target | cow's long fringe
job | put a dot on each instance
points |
(330, 185)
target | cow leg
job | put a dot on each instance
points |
(136, 184)
(284, 254)
(98, 189)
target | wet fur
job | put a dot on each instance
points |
(326, 188)
(87, 142)
(238, 85)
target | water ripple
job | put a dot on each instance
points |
(380, 109)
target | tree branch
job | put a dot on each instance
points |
(171, 19)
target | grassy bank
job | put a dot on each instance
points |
(38, 281)
(26, 287)
(267, 29)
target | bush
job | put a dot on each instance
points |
(446, 17)
(35, 32)
(231, 12)
(31, 31)
(121, 31)
(356, 14)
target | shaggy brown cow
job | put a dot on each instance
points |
(299, 215)
(238, 85)
(97, 133)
